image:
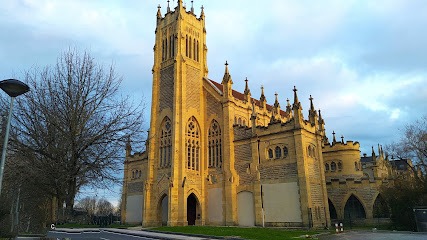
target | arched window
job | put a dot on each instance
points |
(270, 153)
(197, 56)
(235, 120)
(166, 48)
(165, 143)
(326, 167)
(190, 51)
(339, 166)
(193, 144)
(215, 145)
(354, 208)
(163, 50)
(356, 166)
(244, 122)
(186, 45)
(309, 151)
(171, 46)
(285, 152)
(194, 49)
(240, 121)
(333, 166)
(278, 152)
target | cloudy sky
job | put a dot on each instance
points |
(364, 62)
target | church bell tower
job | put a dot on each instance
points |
(175, 157)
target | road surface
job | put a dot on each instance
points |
(114, 234)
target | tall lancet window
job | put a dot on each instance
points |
(193, 144)
(215, 145)
(165, 144)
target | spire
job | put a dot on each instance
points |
(159, 13)
(253, 117)
(202, 14)
(227, 77)
(128, 147)
(227, 82)
(312, 114)
(334, 140)
(297, 104)
(247, 91)
(179, 3)
(311, 103)
(288, 108)
(262, 100)
(192, 7)
(168, 9)
(276, 102)
(373, 153)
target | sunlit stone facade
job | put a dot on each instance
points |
(216, 156)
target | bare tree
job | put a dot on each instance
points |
(408, 189)
(413, 145)
(70, 129)
(104, 207)
(88, 204)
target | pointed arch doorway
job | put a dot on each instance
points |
(163, 210)
(193, 213)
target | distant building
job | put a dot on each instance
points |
(216, 156)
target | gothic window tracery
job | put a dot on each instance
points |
(326, 167)
(339, 166)
(278, 152)
(215, 145)
(285, 152)
(270, 153)
(193, 144)
(333, 166)
(165, 144)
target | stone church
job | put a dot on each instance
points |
(217, 156)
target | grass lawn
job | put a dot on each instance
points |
(246, 233)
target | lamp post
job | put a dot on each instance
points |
(13, 88)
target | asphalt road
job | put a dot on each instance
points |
(115, 234)
(103, 235)
(375, 235)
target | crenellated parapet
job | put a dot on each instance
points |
(340, 146)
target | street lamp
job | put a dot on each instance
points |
(13, 88)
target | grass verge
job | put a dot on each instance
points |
(246, 233)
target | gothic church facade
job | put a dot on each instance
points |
(216, 156)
